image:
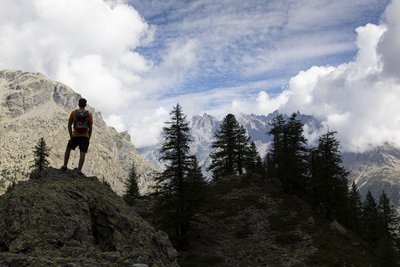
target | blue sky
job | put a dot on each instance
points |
(133, 59)
(240, 42)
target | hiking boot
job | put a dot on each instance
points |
(78, 171)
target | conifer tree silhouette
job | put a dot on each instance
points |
(287, 159)
(354, 208)
(253, 162)
(329, 178)
(132, 188)
(41, 154)
(230, 148)
(370, 220)
(171, 183)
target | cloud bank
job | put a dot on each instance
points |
(359, 99)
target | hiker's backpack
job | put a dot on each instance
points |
(81, 123)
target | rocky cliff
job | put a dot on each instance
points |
(31, 107)
(63, 219)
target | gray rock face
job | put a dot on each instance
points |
(62, 218)
(376, 170)
(31, 107)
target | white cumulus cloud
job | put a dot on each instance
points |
(88, 44)
(359, 99)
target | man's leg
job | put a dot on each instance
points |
(81, 160)
(66, 156)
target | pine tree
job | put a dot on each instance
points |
(41, 154)
(329, 178)
(275, 156)
(195, 191)
(241, 149)
(354, 209)
(370, 220)
(389, 216)
(288, 156)
(132, 188)
(296, 156)
(253, 162)
(170, 183)
(230, 147)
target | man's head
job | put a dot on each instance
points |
(82, 103)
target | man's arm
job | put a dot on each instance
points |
(90, 124)
(70, 121)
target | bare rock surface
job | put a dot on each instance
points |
(65, 219)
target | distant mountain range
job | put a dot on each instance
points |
(375, 170)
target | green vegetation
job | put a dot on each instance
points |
(179, 188)
(314, 177)
(132, 191)
(41, 154)
(233, 152)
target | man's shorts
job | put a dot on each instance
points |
(81, 141)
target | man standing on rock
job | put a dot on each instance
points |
(82, 121)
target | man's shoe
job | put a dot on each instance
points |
(78, 171)
(63, 168)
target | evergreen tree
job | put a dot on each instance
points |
(370, 220)
(253, 162)
(296, 155)
(354, 209)
(196, 189)
(132, 188)
(241, 149)
(230, 147)
(275, 156)
(41, 154)
(170, 183)
(329, 178)
(389, 216)
(287, 159)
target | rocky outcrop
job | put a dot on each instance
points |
(33, 106)
(64, 219)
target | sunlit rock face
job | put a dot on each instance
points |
(33, 106)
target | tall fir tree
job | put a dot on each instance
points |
(288, 157)
(370, 220)
(41, 153)
(229, 148)
(329, 178)
(195, 191)
(171, 182)
(275, 156)
(354, 209)
(132, 188)
(253, 163)
(296, 154)
(389, 217)
(241, 149)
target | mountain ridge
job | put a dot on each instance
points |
(374, 170)
(33, 106)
